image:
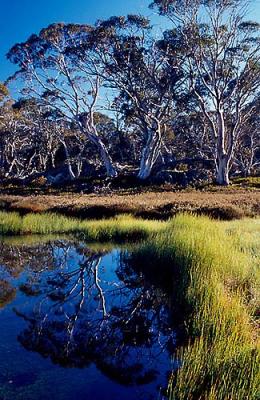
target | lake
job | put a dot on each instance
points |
(81, 321)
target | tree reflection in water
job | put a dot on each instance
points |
(83, 312)
(15, 259)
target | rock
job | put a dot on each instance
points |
(170, 176)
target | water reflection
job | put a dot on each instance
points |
(89, 306)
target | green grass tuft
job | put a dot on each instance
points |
(216, 287)
(123, 227)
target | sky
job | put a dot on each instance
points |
(20, 18)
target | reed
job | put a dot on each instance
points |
(123, 227)
(216, 287)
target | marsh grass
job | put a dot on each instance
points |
(246, 234)
(214, 269)
(32, 240)
(216, 287)
(123, 227)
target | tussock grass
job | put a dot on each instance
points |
(123, 227)
(10, 223)
(214, 267)
(246, 234)
(216, 288)
(32, 240)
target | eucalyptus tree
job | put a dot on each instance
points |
(3, 97)
(14, 140)
(42, 132)
(247, 154)
(51, 134)
(13, 136)
(53, 73)
(192, 138)
(146, 87)
(4, 93)
(28, 140)
(221, 50)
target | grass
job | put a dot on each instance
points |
(121, 228)
(222, 203)
(249, 182)
(216, 288)
(246, 234)
(214, 269)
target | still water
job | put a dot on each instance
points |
(79, 322)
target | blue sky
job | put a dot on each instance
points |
(20, 18)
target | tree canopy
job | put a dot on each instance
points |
(191, 91)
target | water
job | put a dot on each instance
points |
(80, 322)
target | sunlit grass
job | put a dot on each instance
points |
(216, 284)
(123, 227)
(246, 233)
(31, 240)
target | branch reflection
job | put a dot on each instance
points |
(92, 306)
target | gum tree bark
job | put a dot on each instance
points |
(150, 153)
(223, 156)
(88, 128)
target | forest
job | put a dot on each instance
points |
(177, 101)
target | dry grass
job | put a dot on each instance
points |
(222, 204)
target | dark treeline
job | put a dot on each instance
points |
(121, 98)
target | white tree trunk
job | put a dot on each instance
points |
(91, 133)
(106, 159)
(71, 173)
(150, 154)
(223, 157)
(79, 167)
(223, 170)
